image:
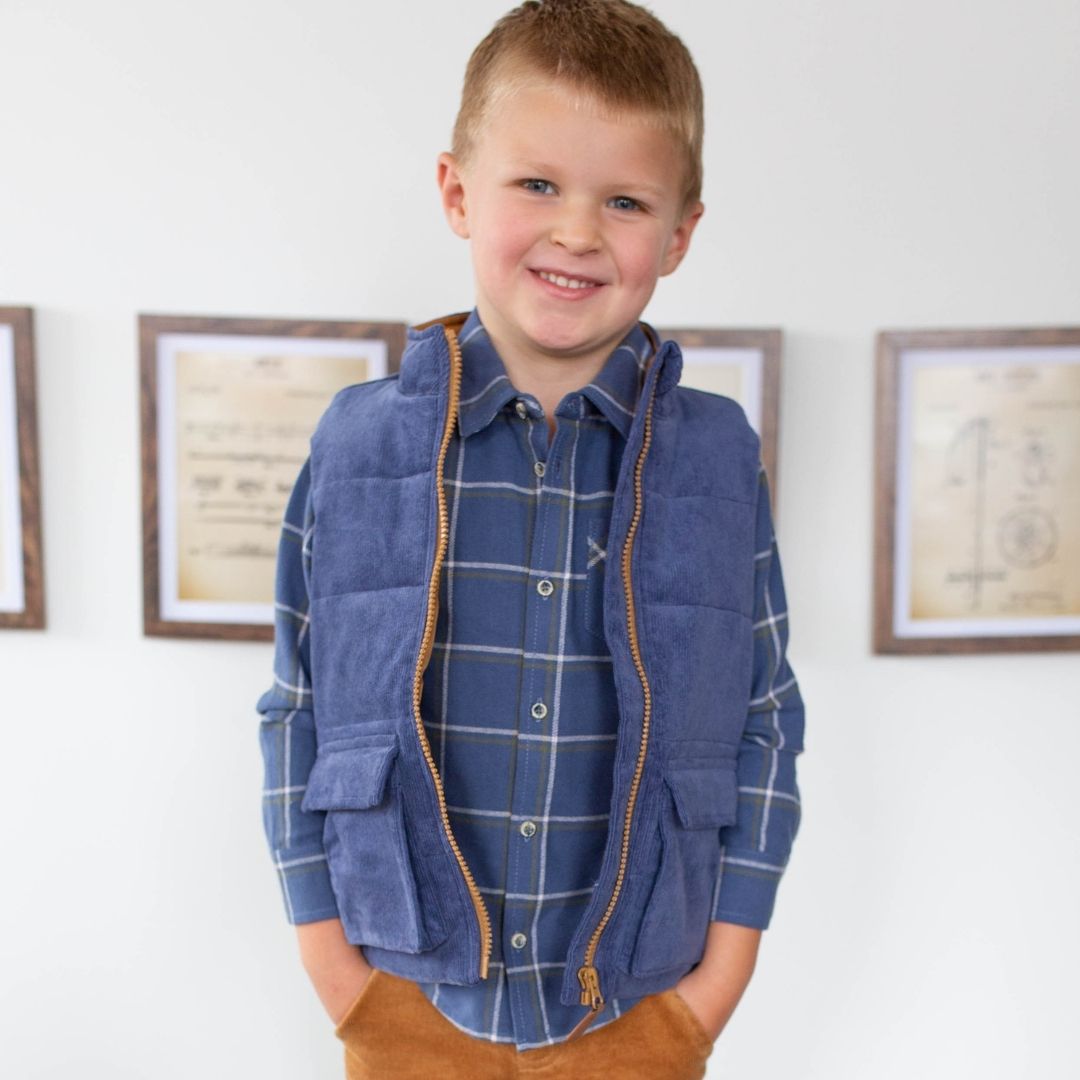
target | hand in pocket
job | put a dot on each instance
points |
(337, 969)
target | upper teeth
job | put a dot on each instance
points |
(566, 283)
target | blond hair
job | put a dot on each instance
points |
(614, 52)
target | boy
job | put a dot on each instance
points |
(530, 748)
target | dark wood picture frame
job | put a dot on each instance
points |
(892, 346)
(32, 614)
(770, 343)
(151, 328)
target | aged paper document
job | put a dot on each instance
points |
(235, 416)
(243, 425)
(734, 372)
(715, 375)
(993, 490)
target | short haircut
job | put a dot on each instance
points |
(610, 50)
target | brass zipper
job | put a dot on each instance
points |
(427, 642)
(588, 976)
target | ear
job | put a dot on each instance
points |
(452, 189)
(679, 244)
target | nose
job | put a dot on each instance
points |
(576, 230)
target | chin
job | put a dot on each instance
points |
(565, 335)
(565, 344)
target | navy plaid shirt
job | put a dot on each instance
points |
(519, 699)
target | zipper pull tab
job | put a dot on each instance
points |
(590, 987)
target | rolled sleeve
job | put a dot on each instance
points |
(755, 850)
(287, 728)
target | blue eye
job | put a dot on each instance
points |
(624, 202)
(541, 187)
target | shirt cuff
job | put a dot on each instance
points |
(747, 889)
(306, 888)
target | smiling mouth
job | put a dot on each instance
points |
(567, 282)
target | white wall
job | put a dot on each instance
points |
(883, 163)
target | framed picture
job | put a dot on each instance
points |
(740, 364)
(22, 582)
(228, 408)
(977, 500)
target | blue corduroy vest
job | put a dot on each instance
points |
(681, 640)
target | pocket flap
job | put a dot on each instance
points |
(706, 793)
(352, 775)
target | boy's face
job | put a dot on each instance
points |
(572, 217)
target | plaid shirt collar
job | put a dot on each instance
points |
(486, 388)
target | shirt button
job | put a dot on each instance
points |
(528, 828)
(518, 940)
(544, 587)
(539, 469)
(520, 409)
(539, 710)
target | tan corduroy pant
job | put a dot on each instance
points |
(392, 1032)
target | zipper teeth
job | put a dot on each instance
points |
(426, 647)
(631, 618)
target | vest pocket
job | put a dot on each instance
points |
(381, 899)
(700, 798)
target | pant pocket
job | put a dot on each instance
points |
(696, 1032)
(348, 1021)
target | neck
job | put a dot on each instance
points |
(548, 378)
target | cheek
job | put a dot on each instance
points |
(501, 243)
(641, 262)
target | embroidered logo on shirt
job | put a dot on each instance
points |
(596, 553)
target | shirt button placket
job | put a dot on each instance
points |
(536, 705)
